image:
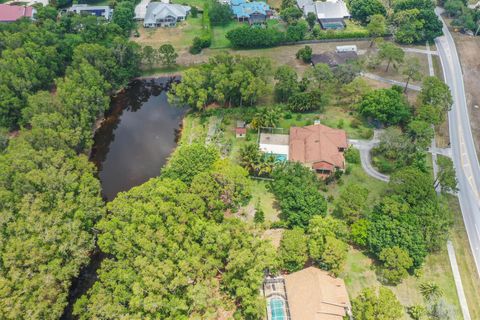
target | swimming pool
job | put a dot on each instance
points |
(277, 309)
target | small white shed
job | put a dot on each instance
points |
(351, 48)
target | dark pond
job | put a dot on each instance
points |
(131, 146)
(137, 136)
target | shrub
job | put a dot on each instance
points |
(352, 155)
(246, 37)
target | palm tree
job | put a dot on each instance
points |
(430, 291)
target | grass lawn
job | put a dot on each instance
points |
(468, 271)
(396, 74)
(219, 35)
(180, 37)
(194, 129)
(358, 176)
(265, 199)
(196, 3)
(360, 272)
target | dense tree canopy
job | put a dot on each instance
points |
(169, 261)
(226, 79)
(385, 105)
(297, 191)
(370, 305)
(33, 54)
(49, 194)
(49, 202)
(361, 10)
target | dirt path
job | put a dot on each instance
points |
(468, 49)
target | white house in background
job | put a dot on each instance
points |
(141, 8)
(159, 14)
(275, 144)
(99, 11)
(330, 13)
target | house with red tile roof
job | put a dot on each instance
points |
(319, 147)
(11, 13)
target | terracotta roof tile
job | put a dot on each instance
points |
(317, 143)
(313, 294)
(10, 13)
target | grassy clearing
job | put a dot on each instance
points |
(196, 3)
(180, 37)
(194, 129)
(468, 271)
(219, 35)
(360, 272)
(375, 187)
(265, 199)
(396, 73)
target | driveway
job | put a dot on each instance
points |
(365, 147)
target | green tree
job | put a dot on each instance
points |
(421, 133)
(441, 310)
(385, 105)
(369, 305)
(267, 117)
(392, 223)
(377, 27)
(355, 90)
(396, 263)
(318, 230)
(454, 8)
(412, 185)
(293, 250)
(320, 75)
(430, 291)
(305, 54)
(411, 71)
(297, 190)
(307, 101)
(446, 177)
(391, 53)
(311, 19)
(149, 56)
(190, 160)
(352, 203)
(359, 232)
(220, 14)
(436, 98)
(3, 138)
(255, 162)
(297, 31)
(361, 10)
(161, 225)
(287, 83)
(248, 38)
(291, 15)
(334, 255)
(167, 55)
(123, 16)
(288, 4)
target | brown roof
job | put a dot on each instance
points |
(313, 294)
(333, 59)
(317, 143)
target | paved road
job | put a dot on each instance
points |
(463, 149)
(390, 81)
(458, 281)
